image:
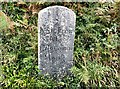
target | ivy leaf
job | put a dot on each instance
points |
(5, 22)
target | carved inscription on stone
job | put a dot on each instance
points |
(56, 27)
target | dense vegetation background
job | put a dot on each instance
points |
(96, 46)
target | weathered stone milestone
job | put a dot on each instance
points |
(56, 25)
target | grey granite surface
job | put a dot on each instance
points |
(56, 30)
